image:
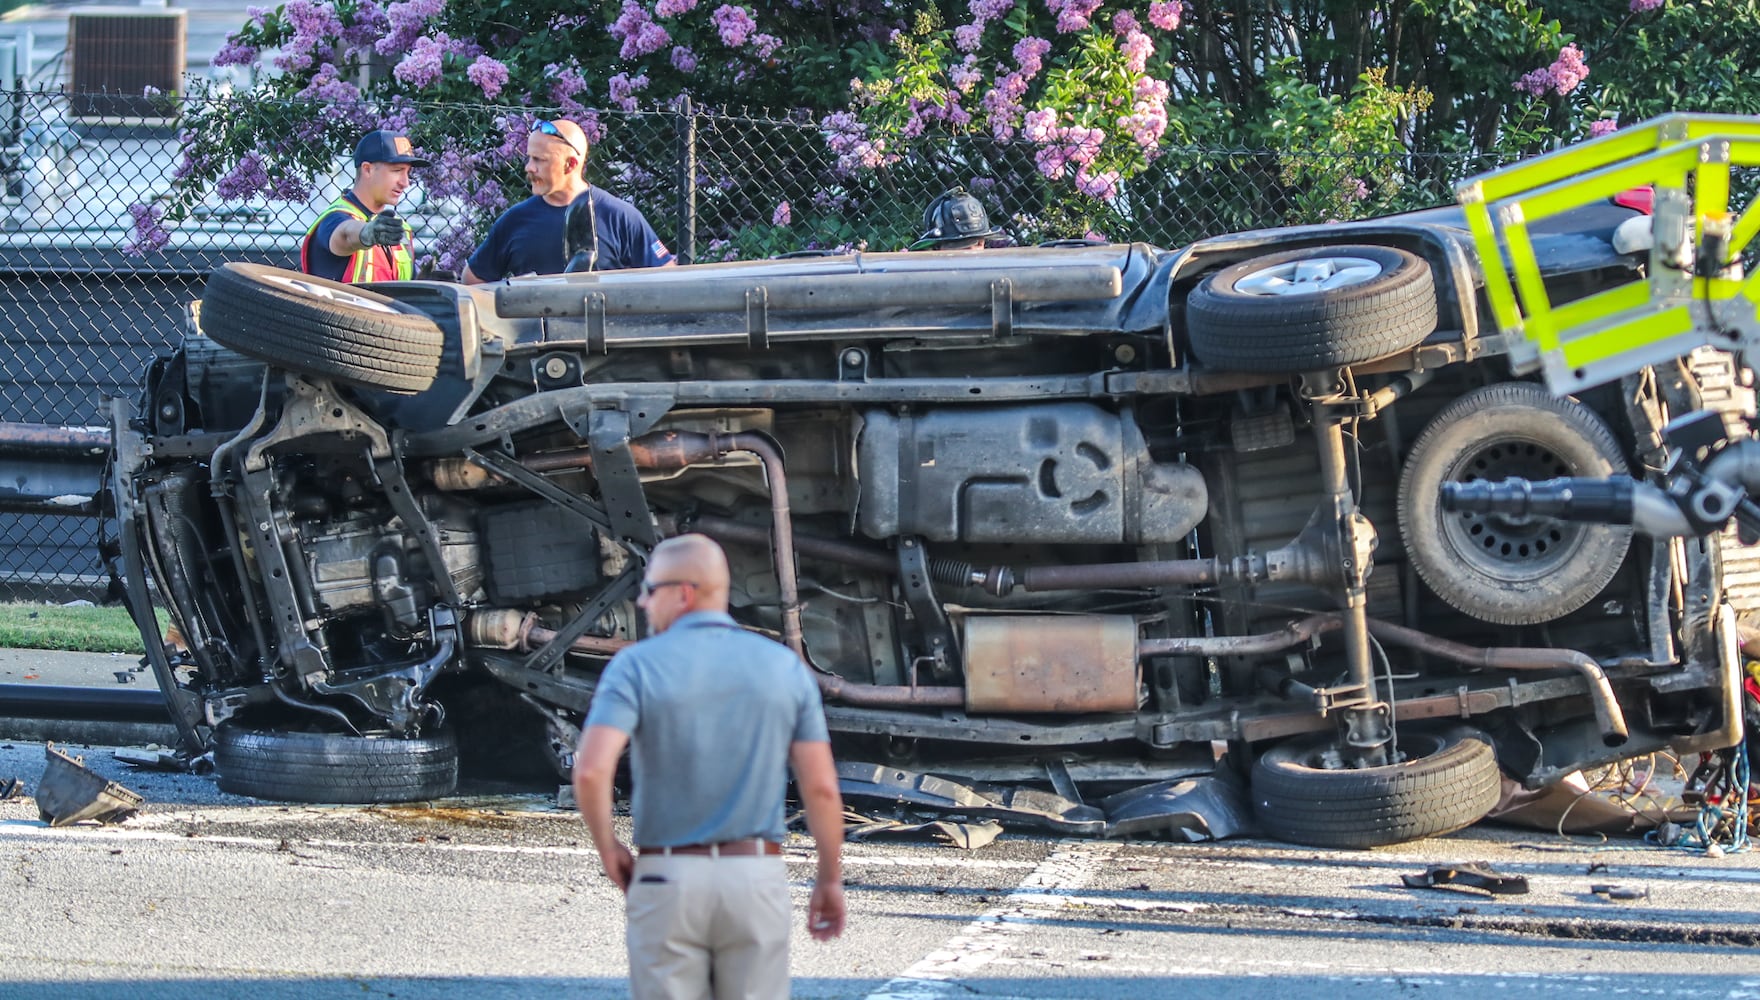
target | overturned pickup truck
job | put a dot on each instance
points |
(1083, 516)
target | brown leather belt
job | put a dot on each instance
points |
(749, 848)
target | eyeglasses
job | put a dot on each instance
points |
(549, 128)
(649, 586)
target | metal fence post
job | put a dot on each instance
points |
(687, 181)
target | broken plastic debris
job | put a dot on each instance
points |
(1473, 875)
(70, 793)
(1621, 892)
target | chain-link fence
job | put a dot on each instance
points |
(93, 281)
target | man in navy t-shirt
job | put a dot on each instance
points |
(534, 237)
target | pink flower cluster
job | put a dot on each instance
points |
(1563, 76)
(1137, 49)
(489, 74)
(735, 24)
(1643, 6)
(624, 89)
(965, 75)
(1165, 14)
(783, 214)
(1602, 126)
(1124, 23)
(1147, 122)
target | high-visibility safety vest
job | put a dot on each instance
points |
(368, 263)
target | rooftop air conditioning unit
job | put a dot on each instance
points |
(120, 52)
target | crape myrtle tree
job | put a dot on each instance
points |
(833, 121)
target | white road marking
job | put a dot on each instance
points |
(1069, 868)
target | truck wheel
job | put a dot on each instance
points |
(1446, 781)
(330, 767)
(316, 327)
(1500, 569)
(1320, 307)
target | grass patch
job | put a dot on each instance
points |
(86, 629)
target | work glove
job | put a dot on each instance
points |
(383, 230)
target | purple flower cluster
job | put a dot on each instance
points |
(147, 234)
(313, 25)
(1029, 55)
(847, 137)
(368, 25)
(624, 89)
(1073, 15)
(235, 53)
(967, 37)
(984, 11)
(783, 214)
(326, 85)
(765, 45)
(245, 179)
(1165, 14)
(422, 67)
(638, 31)
(683, 59)
(1124, 23)
(1643, 6)
(1563, 76)
(673, 8)
(566, 80)
(735, 24)
(489, 74)
(407, 20)
(289, 187)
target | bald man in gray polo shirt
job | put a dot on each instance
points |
(713, 715)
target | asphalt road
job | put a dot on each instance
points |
(499, 895)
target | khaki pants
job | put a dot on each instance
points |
(704, 928)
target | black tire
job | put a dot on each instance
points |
(1509, 571)
(328, 767)
(1234, 328)
(1447, 781)
(317, 327)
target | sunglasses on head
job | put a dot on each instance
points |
(549, 128)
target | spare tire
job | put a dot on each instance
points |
(1444, 781)
(1501, 569)
(313, 326)
(331, 767)
(1319, 307)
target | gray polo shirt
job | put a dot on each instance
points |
(710, 710)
